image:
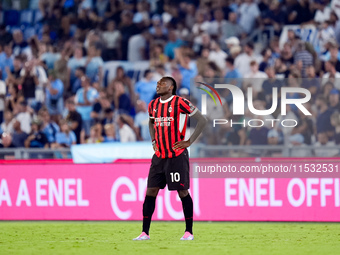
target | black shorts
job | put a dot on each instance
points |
(171, 171)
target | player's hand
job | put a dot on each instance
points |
(155, 148)
(181, 145)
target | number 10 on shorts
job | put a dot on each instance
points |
(175, 177)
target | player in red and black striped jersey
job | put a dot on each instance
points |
(170, 164)
(170, 120)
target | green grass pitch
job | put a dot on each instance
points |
(210, 238)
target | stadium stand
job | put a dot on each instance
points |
(54, 52)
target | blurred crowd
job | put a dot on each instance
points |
(53, 93)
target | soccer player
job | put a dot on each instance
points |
(170, 163)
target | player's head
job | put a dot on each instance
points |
(173, 83)
(167, 84)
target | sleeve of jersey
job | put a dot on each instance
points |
(150, 111)
(185, 106)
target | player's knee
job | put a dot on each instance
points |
(152, 192)
(182, 193)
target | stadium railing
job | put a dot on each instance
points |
(196, 151)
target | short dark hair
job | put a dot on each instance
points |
(146, 72)
(230, 60)
(173, 83)
(250, 45)
(82, 69)
(322, 98)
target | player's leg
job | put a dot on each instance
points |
(156, 181)
(177, 176)
(188, 210)
(149, 207)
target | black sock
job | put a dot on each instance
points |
(188, 209)
(148, 209)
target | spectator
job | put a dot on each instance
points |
(109, 116)
(2, 99)
(54, 95)
(29, 81)
(137, 47)
(157, 57)
(37, 138)
(323, 12)
(215, 26)
(112, 39)
(61, 69)
(5, 36)
(12, 99)
(14, 75)
(334, 100)
(281, 69)
(125, 79)
(275, 137)
(49, 127)
(127, 29)
(249, 14)
(95, 135)
(325, 34)
(270, 83)
(335, 121)
(217, 55)
(334, 56)
(19, 137)
(204, 41)
(232, 42)
(7, 125)
(24, 117)
(6, 141)
(65, 138)
(186, 70)
(100, 106)
(306, 125)
(121, 99)
(242, 62)
(255, 77)
(20, 46)
(258, 135)
(303, 56)
(322, 144)
(126, 133)
(172, 45)
(110, 133)
(267, 59)
(290, 115)
(75, 62)
(201, 25)
(274, 16)
(74, 119)
(331, 75)
(79, 73)
(312, 83)
(323, 121)
(6, 61)
(146, 88)
(299, 147)
(287, 55)
(231, 28)
(232, 76)
(94, 64)
(142, 121)
(85, 99)
(202, 61)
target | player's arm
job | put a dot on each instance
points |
(152, 133)
(201, 122)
